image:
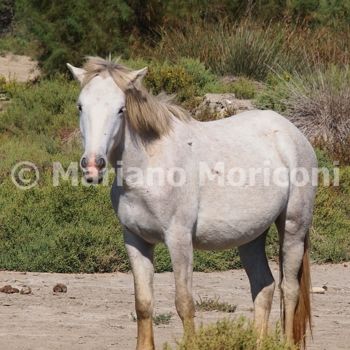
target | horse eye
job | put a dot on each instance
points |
(121, 110)
(80, 107)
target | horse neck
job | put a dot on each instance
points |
(133, 151)
(130, 150)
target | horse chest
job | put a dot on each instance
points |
(135, 215)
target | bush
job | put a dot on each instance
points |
(187, 78)
(244, 88)
(231, 335)
(318, 103)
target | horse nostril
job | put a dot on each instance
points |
(83, 163)
(100, 163)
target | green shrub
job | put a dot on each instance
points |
(231, 335)
(41, 109)
(331, 223)
(42, 229)
(18, 44)
(187, 78)
(244, 88)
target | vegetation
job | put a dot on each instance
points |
(66, 31)
(318, 102)
(231, 335)
(210, 304)
(164, 318)
(69, 229)
(298, 66)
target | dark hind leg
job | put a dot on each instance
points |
(262, 283)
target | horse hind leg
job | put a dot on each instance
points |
(295, 276)
(262, 283)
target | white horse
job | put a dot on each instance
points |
(121, 121)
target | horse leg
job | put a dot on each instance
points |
(181, 253)
(295, 277)
(262, 283)
(141, 260)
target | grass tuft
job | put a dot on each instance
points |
(214, 304)
(231, 335)
(163, 318)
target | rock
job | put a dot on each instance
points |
(8, 289)
(222, 105)
(60, 288)
(26, 290)
(318, 290)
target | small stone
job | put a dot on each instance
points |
(60, 288)
(26, 290)
(318, 290)
(222, 105)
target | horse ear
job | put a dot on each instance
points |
(138, 75)
(78, 73)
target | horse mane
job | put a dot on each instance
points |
(148, 115)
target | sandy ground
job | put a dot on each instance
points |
(96, 311)
(19, 68)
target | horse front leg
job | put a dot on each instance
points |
(141, 259)
(179, 243)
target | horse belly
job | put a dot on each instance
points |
(235, 220)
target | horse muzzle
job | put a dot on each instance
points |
(93, 168)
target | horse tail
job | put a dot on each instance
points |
(302, 314)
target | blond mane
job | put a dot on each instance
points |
(148, 115)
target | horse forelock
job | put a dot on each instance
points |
(148, 115)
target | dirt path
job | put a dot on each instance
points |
(19, 68)
(95, 313)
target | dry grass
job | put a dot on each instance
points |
(231, 335)
(319, 105)
(214, 304)
(241, 48)
(250, 48)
